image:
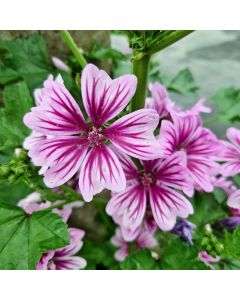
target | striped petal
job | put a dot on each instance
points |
(58, 113)
(76, 243)
(172, 171)
(133, 134)
(101, 169)
(63, 155)
(103, 97)
(201, 170)
(130, 204)
(166, 205)
(233, 135)
(234, 200)
(70, 263)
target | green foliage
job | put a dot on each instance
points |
(227, 102)
(99, 255)
(24, 59)
(206, 209)
(17, 102)
(220, 195)
(232, 244)
(24, 238)
(139, 260)
(105, 53)
(178, 255)
(18, 191)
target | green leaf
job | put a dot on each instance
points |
(17, 102)
(24, 238)
(139, 260)
(232, 244)
(227, 102)
(206, 209)
(184, 83)
(179, 255)
(99, 255)
(105, 53)
(26, 59)
(18, 192)
(220, 195)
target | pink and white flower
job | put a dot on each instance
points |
(231, 153)
(80, 145)
(64, 258)
(199, 144)
(142, 240)
(153, 187)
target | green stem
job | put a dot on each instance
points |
(169, 40)
(140, 69)
(73, 47)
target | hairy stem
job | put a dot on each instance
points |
(73, 47)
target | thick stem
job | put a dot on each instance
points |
(169, 40)
(140, 69)
(73, 47)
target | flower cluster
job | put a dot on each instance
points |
(152, 159)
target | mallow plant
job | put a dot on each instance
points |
(100, 171)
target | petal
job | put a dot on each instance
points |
(117, 239)
(101, 169)
(76, 243)
(133, 134)
(167, 138)
(160, 99)
(234, 200)
(146, 240)
(201, 170)
(32, 139)
(229, 152)
(43, 262)
(70, 263)
(121, 254)
(172, 171)
(103, 97)
(130, 235)
(58, 114)
(59, 64)
(63, 155)
(129, 167)
(234, 136)
(230, 168)
(166, 205)
(130, 204)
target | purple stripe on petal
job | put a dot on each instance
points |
(101, 169)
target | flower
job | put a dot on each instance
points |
(77, 145)
(64, 259)
(233, 203)
(143, 239)
(59, 64)
(208, 259)
(231, 153)
(184, 229)
(160, 99)
(199, 144)
(153, 187)
(164, 106)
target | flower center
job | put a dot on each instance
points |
(94, 136)
(147, 179)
